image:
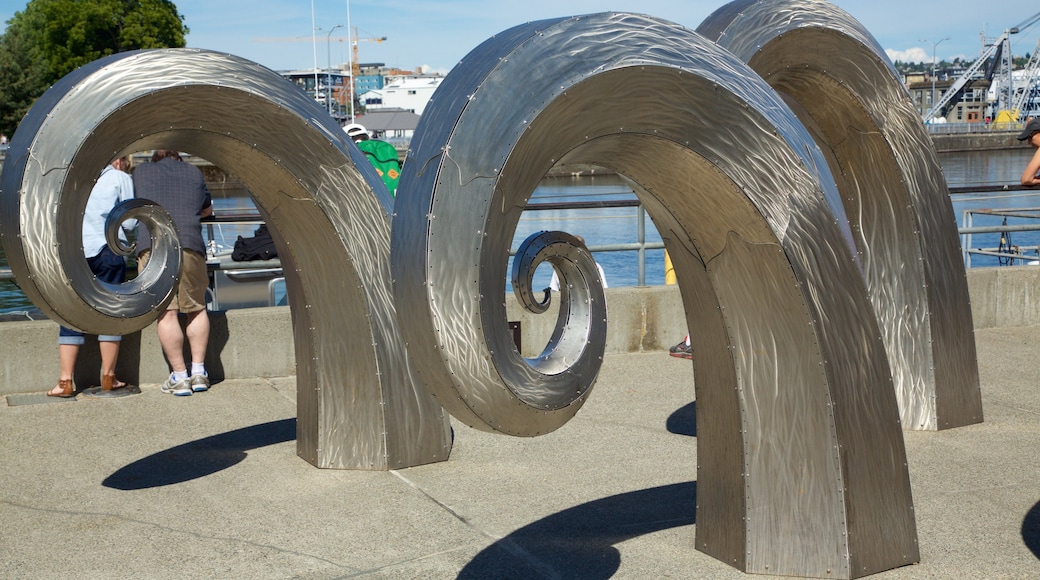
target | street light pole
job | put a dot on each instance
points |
(350, 62)
(934, 69)
(328, 71)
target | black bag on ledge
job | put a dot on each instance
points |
(258, 247)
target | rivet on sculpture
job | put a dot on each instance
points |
(798, 196)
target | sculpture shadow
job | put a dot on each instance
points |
(683, 421)
(1031, 530)
(201, 457)
(579, 542)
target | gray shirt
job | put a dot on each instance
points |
(181, 190)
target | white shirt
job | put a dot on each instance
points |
(113, 187)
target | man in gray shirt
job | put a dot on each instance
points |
(180, 188)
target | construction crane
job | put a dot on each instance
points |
(355, 67)
(1000, 53)
(1028, 100)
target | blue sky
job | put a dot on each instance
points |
(438, 33)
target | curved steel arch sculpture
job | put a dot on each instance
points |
(892, 186)
(360, 403)
(801, 465)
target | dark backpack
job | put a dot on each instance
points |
(258, 247)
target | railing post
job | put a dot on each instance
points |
(966, 238)
(641, 215)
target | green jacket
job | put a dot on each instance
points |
(383, 156)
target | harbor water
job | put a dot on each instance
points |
(611, 226)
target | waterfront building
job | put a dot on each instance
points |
(327, 86)
(969, 107)
(395, 126)
(370, 77)
(410, 94)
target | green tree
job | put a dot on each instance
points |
(22, 78)
(51, 38)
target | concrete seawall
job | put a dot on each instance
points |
(258, 342)
(976, 141)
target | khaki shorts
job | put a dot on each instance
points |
(190, 293)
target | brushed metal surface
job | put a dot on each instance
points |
(798, 397)
(582, 316)
(892, 187)
(801, 465)
(360, 403)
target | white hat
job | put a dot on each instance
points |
(354, 130)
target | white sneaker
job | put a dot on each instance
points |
(200, 383)
(180, 388)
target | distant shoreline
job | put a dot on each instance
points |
(951, 143)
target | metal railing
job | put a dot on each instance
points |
(641, 245)
(974, 128)
(1005, 252)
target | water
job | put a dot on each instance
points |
(620, 225)
(599, 227)
(987, 168)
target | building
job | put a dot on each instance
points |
(395, 126)
(371, 77)
(316, 83)
(970, 107)
(409, 94)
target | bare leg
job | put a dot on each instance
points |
(172, 340)
(198, 335)
(67, 354)
(109, 356)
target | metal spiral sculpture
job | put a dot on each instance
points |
(360, 403)
(891, 185)
(813, 243)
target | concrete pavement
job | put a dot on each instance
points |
(155, 486)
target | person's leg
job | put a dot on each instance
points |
(198, 335)
(172, 340)
(195, 281)
(69, 342)
(109, 355)
(67, 354)
(108, 267)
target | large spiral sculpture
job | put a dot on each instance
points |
(360, 403)
(776, 152)
(891, 186)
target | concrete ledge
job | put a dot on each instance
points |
(976, 141)
(1003, 297)
(640, 319)
(253, 342)
(258, 342)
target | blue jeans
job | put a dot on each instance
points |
(108, 267)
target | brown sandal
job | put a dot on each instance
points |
(111, 383)
(67, 390)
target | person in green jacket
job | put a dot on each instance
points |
(382, 155)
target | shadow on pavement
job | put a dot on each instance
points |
(579, 542)
(1031, 530)
(683, 421)
(200, 458)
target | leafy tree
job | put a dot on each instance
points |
(51, 38)
(22, 77)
